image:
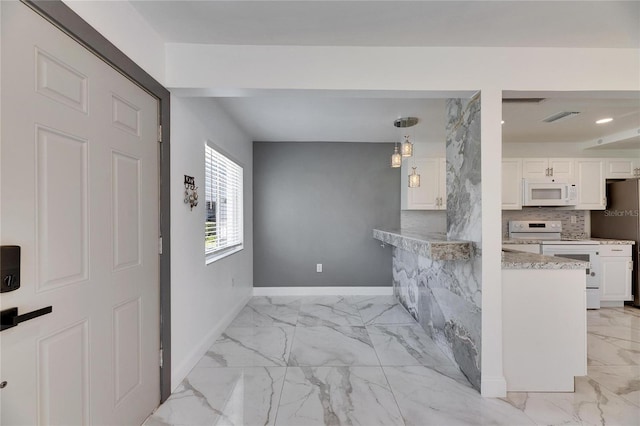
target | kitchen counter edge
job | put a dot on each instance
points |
(522, 260)
(600, 241)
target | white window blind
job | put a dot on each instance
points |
(223, 202)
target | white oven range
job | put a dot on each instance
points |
(547, 234)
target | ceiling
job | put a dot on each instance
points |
(397, 23)
(523, 122)
(305, 118)
(336, 119)
(359, 116)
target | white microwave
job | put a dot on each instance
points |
(549, 192)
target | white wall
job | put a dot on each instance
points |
(203, 299)
(490, 70)
(400, 68)
(123, 26)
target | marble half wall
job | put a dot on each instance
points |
(445, 297)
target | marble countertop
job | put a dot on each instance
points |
(601, 241)
(521, 260)
(612, 242)
(432, 245)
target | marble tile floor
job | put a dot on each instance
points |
(364, 361)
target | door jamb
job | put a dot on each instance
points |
(60, 15)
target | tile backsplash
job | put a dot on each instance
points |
(423, 220)
(569, 230)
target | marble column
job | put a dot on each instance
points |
(445, 297)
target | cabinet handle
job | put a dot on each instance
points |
(551, 171)
(546, 172)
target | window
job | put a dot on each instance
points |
(223, 203)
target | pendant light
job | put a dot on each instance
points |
(414, 179)
(396, 158)
(407, 147)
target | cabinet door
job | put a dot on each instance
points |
(621, 168)
(425, 197)
(512, 184)
(591, 184)
(616, 278)
(535, 168)
(561, 168)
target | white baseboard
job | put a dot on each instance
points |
(323, 291)
(493, 387)
(181, 371)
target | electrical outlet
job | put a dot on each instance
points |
(574, 219)
(319, 267)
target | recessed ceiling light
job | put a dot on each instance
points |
(604, 120)
(502, 122)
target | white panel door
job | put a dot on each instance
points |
(79, 194)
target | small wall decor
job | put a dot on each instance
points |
(190, 191)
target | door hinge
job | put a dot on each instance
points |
(160, 245)
(161, 353)
(160, 133)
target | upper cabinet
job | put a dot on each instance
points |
(432, 192)
(621, 168)
(511, 184)
(541, 168)
(591, 184)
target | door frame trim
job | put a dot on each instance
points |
(60, 15)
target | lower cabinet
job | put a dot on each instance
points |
(616, 273)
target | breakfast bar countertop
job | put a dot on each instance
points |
(428, 244)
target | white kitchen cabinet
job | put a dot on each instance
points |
(432, 192)
(591, 184)
(615, 284)
(622, 168)
(544, 329)
(511, 184)
(541, 168)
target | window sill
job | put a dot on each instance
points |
(222, 254)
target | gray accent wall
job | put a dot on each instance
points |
(317, 202)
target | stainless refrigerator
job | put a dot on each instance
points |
(621, 221)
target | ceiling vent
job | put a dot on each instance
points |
(564, 115)
(522, 100)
